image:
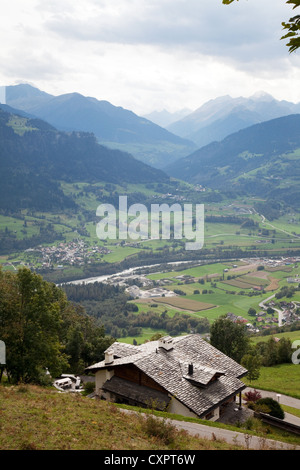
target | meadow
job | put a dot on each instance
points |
(281, 378)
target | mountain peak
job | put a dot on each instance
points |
(262, 96)
(25, 97)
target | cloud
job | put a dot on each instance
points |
(146, 54)
(243, 32)
(34, 65)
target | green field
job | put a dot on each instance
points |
(292, 335)
(283, 378)
(196, 272)
(235, 295)
(36, 418)
(181, 303)
(210, 306)
(239, 305)
(146, 336)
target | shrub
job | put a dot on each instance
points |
(252, 396)
(273, 407)
(160, 428)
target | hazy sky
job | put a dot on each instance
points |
(149, 54)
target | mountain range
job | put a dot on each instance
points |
(35, 158)
(157, 145)
(220, 117)
(259, 159)
(113, 126)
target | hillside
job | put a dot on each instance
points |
(35, 158)
(222, 116)
(35, 418)
(262, 160)
(113, 126)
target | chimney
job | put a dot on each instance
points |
(109, 357)
(166, 343)
(191, 369)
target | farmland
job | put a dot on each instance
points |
(216, 289)
(181, 303)
(198, 295)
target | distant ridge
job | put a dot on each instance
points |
(220, 117)
(35, 158)
(263, 160)
(113, 126)
(165, 118)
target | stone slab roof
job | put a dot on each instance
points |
(169, 368)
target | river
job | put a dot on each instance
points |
(128, 271)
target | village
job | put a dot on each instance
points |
(73, 253)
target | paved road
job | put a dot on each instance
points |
(283, 400)
(244, 440)
(280, 312)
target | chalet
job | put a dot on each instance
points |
(184, 375)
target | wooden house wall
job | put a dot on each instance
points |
(133, 374)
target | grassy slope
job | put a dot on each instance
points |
(282, 378)
(33, 418)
